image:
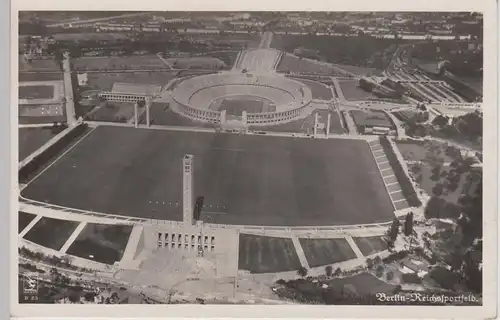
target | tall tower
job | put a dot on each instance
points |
(187, 189)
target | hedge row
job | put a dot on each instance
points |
(31, 168)
(405, 183)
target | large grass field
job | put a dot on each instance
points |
(112, 111)
(105, 81)
(353, 92)
(161, 114)
(24, 219)
(53, 76)
(290, 63)
(38, 65)
(319, 91)
(321, 252)
(249, 179)
(51, 233)
(30, 139)
(261, 254)
(101, 242)
(36, 92)
(118, 63)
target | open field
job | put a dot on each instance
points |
(290, 63)
(40, 76)
(112, 111)
(38, 65)
(370, 245)
(30, 139)
(29, 114)
(318, 90)
(353, 92)
(36, 92)
(304, 125)
(228, 57)
(321, 252)
(197, 63)
(117, 63)
(51, 233)
(24, 219)
(261, 254)
(105, 81)
(362, 71)
(105, 243)
(338, 49)
(161, 114)
(248, 179)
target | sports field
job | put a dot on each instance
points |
(261, 254)
(249, 179)
(36, 92)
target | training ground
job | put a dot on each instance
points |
(246, 180)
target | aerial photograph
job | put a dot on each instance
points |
(265, 158)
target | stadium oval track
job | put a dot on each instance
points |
(195, 98)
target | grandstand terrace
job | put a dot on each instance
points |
(129, 92)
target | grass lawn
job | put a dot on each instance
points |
(118, 63)
(24, 219)
(106, 243)
(321, 252)
(105, 81)
(353, 92)
(370, 245)
(36, 92)
(318, 90)
(51, 233)
(261, 254)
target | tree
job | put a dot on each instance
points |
(328, 271)
(89, 296)
(440, 121)
(302, 271)
(393, 230)
(438, 189)
(408, 226)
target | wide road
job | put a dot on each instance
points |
(267, 38)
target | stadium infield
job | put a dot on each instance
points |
(252, 180)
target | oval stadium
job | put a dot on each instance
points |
(254, 99)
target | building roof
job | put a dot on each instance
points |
(137, 89)
(371, 119)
